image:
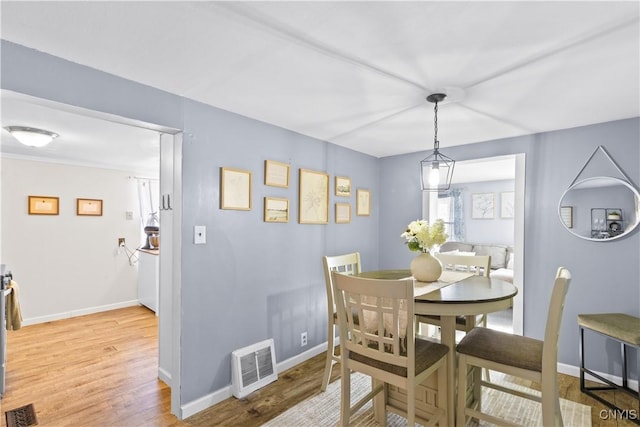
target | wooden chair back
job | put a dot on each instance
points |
(375, 319)
(346, 264)
(554, 319)
(478, 264)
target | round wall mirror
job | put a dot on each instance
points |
(600, 208)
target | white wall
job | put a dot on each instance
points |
(67, 265)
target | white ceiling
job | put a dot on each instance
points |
(357, 73)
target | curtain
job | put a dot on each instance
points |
(456, 214)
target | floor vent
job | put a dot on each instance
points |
(253, 367)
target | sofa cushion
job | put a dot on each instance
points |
(453, 246)
(498, 254)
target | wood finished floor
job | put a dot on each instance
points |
(101, 370)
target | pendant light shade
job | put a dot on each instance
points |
(31, 137)
(436, 170)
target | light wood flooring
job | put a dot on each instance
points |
(101, 370)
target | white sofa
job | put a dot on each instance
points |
(501, 256)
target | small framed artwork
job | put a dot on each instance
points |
(276, 174)
(276, 209)
(343, 186)
(343, 213)
(482, 206)
(313, 197)
(44, 205)
(566, 214)
(363, 202)
(506, 204)
(90, 207)
(235, 189)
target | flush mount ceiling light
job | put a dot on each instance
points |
(31, 136)
(436, 170)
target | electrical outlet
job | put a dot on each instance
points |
(303, 339)
(121, 242)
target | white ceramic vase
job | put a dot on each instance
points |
(426, 268)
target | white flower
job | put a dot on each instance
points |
(421, 237)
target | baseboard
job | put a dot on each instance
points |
(164, 376)
(76, 313)
(574, 371)
(218, 396)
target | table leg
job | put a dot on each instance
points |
(448, 338)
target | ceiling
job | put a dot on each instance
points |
(356, 73)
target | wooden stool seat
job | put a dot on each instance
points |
(622, 328)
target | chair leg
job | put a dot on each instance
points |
(330, 355)
(345, 395)
(462, 391)
(551, 415)
(411, 406)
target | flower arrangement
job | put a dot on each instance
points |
(421, 237)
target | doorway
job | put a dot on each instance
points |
(507, 174)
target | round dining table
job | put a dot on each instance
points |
(454, 294)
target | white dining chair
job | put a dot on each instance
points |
(515, 355)
(382, 344)
(347, 264)
(475, 264)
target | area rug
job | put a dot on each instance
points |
(26, 416)
(323, 409)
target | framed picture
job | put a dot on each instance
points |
(482, 206)
(343, 186)
(506, 204)
(235, 189)
(363, 202)
(276, 209)
(44, 205)
(90, 207)
(276, 174)
(566, 214)
(343, 213)
(313, 197)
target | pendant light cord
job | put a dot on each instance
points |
(436, 144)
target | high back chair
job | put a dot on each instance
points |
(515, 355)
(347, 264)
(478, 264)
(382, 344)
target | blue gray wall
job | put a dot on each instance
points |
(255, 280)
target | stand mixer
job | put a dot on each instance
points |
(152, 230)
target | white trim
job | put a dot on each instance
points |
(80, 312)
(218, 396)
(164, 376)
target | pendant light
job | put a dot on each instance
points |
(31, 137)
(436, 170)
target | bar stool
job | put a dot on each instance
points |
(618, 326)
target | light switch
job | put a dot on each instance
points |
(199, 234)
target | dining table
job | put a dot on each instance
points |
(454, 294)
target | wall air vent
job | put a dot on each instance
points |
(252, 368)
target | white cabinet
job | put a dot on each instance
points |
(148, 274)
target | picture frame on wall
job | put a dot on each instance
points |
(507, 204)
(566, 214)
(313, 197)
(43, 205)
(483, 206)
(89, 207)
(343, 213)
(276, 174)
(235, 189)
(276, 209)
(363, 202)
(343, 186)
